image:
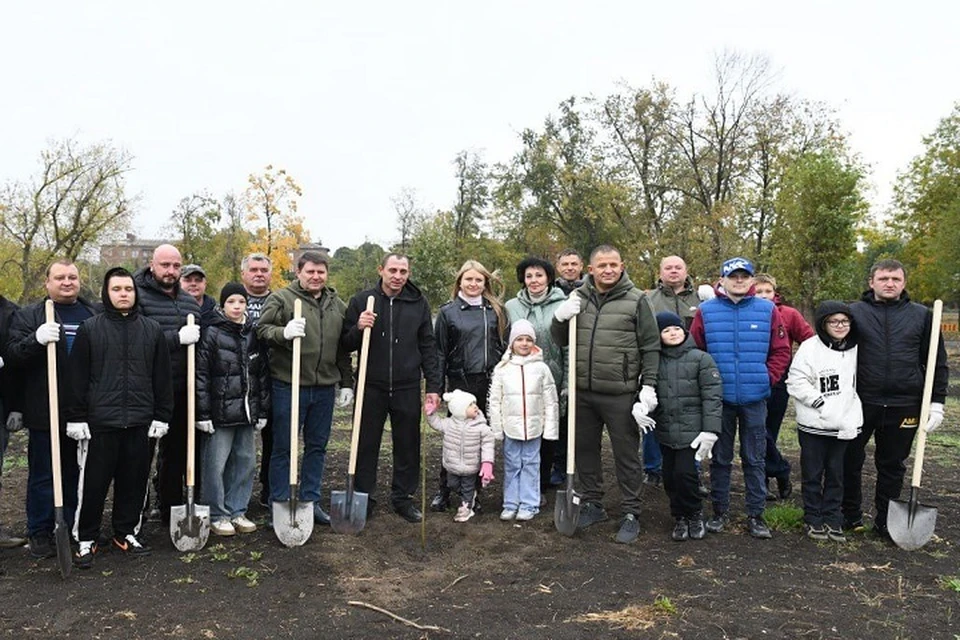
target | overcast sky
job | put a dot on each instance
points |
(359, 100)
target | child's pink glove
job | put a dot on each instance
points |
(486, 473)
(430, 404)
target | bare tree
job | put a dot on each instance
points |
(409, 214)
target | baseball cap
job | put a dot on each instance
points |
(190, 269)
(736, 264)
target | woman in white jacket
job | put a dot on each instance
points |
(823, 381)
(523, 410)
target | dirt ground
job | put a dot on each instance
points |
(490, 579)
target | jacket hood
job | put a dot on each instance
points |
(590, 287)
(144, 278)
(536, 355)
(826, 309)
(871, 299)
(677, 350)
(553, 294)
(687, 287)
(105, 293)
(410, 292)
(722, 293)
(218, 319)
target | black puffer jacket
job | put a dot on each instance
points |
(11, 384)
(894, 338)
(468, 340)
(690, 395)
(402, 345)
(233, 388)
(29, 358)
(119, 371)
(170, 312)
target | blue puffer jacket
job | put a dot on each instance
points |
(738, 338)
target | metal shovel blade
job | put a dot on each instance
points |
(910, 523)
(189, 526)
(293, 521)
(566, 512)
(348, 510)
(61, 536)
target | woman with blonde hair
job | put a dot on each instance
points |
(470, 330)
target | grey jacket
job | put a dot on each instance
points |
(466, 443)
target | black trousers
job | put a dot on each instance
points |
(120, 457)
(893, 430)
(821, 470)
(172, 459)
(479, 385)
(463, 486)
(266, 450)
(777, 466)
(403, 409)
(681, 481)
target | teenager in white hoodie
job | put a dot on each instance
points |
(823, 381)
(523, 410)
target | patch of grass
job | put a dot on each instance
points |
(256, 556)
(664, 604)
(950, 583)
(188, 558)
(252, 576)
(219, 553)
(784, 517)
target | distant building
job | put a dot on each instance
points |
(133, 252)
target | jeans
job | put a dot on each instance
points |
(652, 456)
(821, 469)
(315, 421)
(230, 463)
(40, 513)
(521, 475)
(777, 465)
(751, 419)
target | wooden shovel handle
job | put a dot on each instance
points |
(191, 405)
(361, 386)
(53, 399)
(927, 393)
(571, 394)
(295, 398)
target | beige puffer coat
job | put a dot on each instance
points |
(523, 398)
(466, 443)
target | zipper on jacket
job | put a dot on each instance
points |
(126, 374)
(390, 353)
(486, 330)
(593, 333)
(736, 350)
(523, 396)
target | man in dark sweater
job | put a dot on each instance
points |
(10, 421)
(255, 273)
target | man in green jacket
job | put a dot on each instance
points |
(618, 353)
(322, 366)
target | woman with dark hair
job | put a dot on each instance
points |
(471, 331)
(536, 302)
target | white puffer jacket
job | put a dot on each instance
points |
(523, 398)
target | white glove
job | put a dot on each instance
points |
(847, 433)
(296, 328)
(703, 443)
(48, 332)
(936, 416)
(345, 397)
(189, 334)
(648, 397)
(205, 425)
(261, 423)
(568, 308)
(158, 429)
(78, 430)
(1, 362)
(706, 292)
(14, 421)
(645, 422)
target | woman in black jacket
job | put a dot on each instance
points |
(232, 402)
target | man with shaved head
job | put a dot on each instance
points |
(160, 298)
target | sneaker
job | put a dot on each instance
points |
(718, 522)
(464, 513)
(784, 487)
(440, 501)
(222, 527)
(243, 524)
(681, 530)
(652, 478)
(319, 515)
(816, 532)
(758, 528)
(696, 527)
(10, 541)
(129, 544)
(835, 535)
(41, 546)
(629, 529)
(854, 524)
(508, 514)
(83, 558)
(525, 514)
(590, 514)
(557, 477)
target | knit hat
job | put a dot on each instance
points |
(231, 289)
(458, 401)
(522, 328)
(669, 319)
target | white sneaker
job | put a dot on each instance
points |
(464, 513)
(223, 528)
(243, 524)
(508, 514)
(525, 514)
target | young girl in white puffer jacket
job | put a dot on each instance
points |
(523, 409)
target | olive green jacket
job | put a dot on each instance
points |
(684, 304)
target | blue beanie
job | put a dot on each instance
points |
(669, 319)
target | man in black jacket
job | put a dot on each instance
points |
(402, 351)
(894, 336)
(161, 299)
(10, 421)
(30, 334)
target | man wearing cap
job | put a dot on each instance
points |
(746, 337)
(193, 280)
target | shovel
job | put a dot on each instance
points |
(190, 523)
(293, 520)
(348, 509)
(60, 533)
(566, 513)
(910, 523)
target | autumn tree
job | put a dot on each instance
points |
(271, 201)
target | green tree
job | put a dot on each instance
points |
(473, 196)
(353, 270)
(194, 221)
(434, 256)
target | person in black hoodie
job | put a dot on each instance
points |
(402, 352)
(119, 396)
(233, 401)
(10, 420)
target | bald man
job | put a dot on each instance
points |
(161, 299)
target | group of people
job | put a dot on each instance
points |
(673, 373)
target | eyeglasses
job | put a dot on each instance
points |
(838, 323)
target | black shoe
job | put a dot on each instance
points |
(440, 502)
(855, 524)
(696, 527)
(590, 514)
(41, 546)
(319, 515)
(264, 499)
(83, 558)
(771, 496)
(835, 534)
(652, 478)
(129, 545)
(784, 487)
(681, 530)
(758, 528)
(816, 532)
(629, 529)
(718, 522)
(409, 512)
